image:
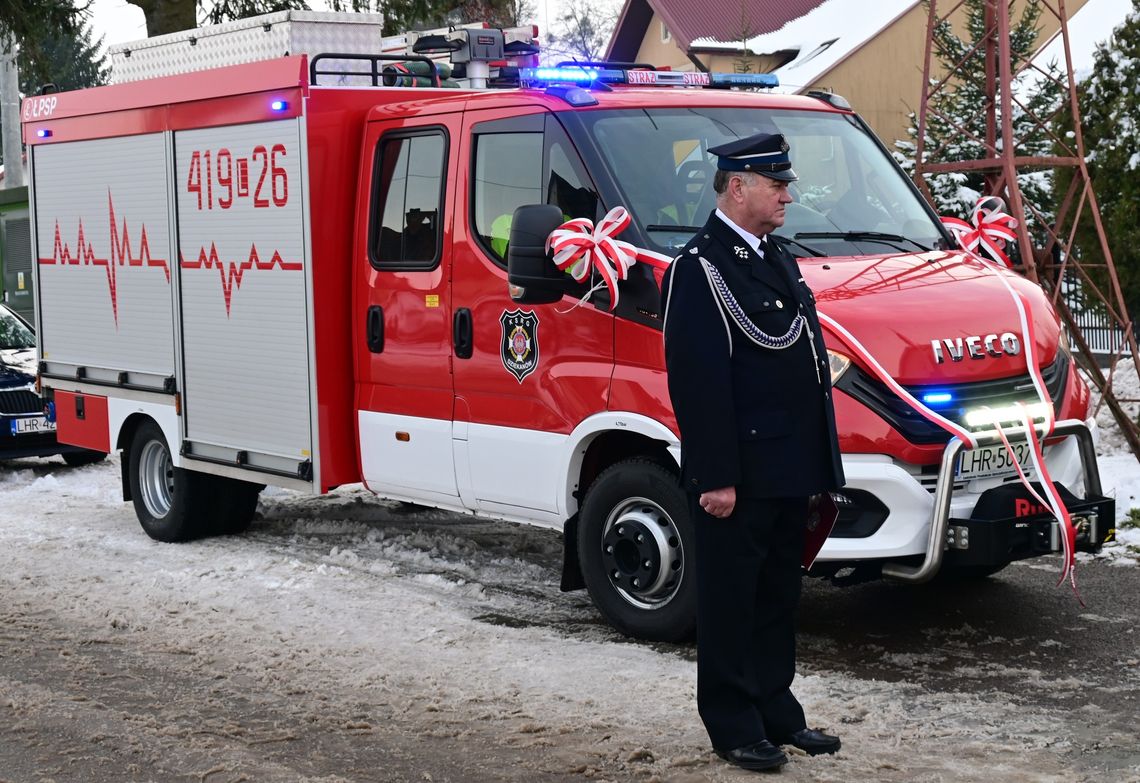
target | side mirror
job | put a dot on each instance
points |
(531, 273)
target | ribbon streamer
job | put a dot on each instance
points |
(579, 247)
(989, 229)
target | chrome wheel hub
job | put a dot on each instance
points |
(642, 553)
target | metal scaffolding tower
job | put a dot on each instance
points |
(1057, 260)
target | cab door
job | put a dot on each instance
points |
(402, 319)
(530, 373)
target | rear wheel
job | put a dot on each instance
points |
(635, 545)
(172, 504)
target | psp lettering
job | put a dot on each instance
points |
(35, 108)
(519, 344)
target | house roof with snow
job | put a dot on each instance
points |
(818, 39)
(718, 21)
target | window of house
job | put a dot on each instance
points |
(406, 226)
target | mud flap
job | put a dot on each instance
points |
(571, 566)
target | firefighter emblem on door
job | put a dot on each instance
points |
(519, 345)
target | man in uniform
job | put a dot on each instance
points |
(751, 388)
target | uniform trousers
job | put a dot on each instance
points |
(748, 587)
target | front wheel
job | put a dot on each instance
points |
(636, 548)
(172, 504)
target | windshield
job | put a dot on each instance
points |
(851, 198)
(13, 333)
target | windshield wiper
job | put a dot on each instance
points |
(863, 236)
(783, 240)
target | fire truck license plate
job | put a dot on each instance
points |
(31, 424)
(992, 461)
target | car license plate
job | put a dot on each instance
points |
(992, 461)
(30, 425)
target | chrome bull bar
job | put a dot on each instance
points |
(936, 542)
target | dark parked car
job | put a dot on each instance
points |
(24, 429)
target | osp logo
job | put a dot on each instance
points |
(120, 255)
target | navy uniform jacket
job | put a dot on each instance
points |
(757, 419)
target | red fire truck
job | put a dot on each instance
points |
(283, 272)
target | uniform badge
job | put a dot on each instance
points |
(519, 344)
(741, 252)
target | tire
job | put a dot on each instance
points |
(636, 547)
(236, 505)
(78, 459)
(172, 504)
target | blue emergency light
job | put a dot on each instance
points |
(279, 105)
(937, 398)
(44, 133)
(582, 75)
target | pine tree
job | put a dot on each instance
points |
(1110, 114)
(67, 60)
(960, 106)
(70, 62)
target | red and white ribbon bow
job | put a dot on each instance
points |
(989, 229)
(580, 246)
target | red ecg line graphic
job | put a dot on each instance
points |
(120, 255)
(231, 274)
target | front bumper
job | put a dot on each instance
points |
(994, 542)
(915, 532)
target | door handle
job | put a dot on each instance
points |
(462, 333)
(375, 329)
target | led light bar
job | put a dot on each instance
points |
(642, 77)
(937, 398)
(1011, 414)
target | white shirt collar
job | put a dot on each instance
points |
(752, 240)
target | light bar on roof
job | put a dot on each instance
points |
(588, 75)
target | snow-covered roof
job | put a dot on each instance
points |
(822, 37)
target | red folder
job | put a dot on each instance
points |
(820, 521)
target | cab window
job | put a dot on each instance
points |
(406, 229)
(523, 161)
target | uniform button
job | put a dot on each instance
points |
(693, 482)
(779, 304)
(765, 304)
(751, 432)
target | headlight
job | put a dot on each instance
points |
(1011, 414)
(838, 364)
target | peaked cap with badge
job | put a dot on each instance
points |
(763, 153)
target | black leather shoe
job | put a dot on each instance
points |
(812, 741)
(758, 756)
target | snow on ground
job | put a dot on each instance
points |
(454, 623)
(1119, 469)
(339, 595)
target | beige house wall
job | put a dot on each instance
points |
(882, 79)
(662, 53)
